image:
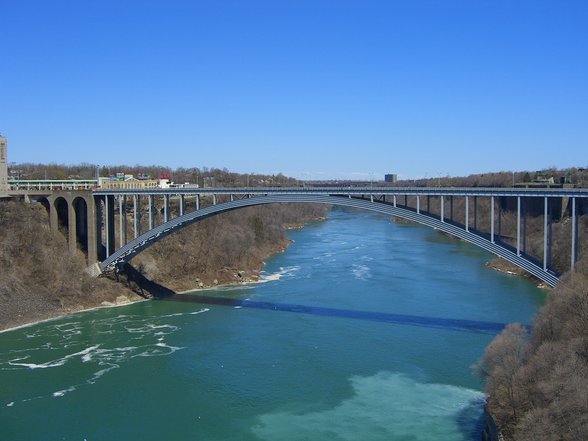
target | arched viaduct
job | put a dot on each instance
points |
(73, 213)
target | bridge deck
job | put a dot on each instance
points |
(382, 191)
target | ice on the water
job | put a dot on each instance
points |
(384, 407)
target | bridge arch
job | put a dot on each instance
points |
(127, 252)
(46, 204)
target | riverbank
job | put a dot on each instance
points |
(506, 267)
(92, 308)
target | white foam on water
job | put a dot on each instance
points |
(150, 327)
(384, 407)
(99, 359)
(179, 314)
(284, 271)
(53, 363)
(156, 352)
(361, 272)
(61, 393)
(101, 372)
(325, 257)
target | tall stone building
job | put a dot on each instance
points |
(3, 166)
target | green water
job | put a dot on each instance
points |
(363, 330)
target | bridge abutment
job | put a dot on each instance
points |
(81, 232)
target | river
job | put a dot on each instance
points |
(364, 329)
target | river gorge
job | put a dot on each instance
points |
(363, 329)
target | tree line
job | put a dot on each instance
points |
(203, 176)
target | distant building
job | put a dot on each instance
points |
(544, 180)
(127, 182)
(391, 178)
(3, 166)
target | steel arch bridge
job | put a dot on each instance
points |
(372, 199)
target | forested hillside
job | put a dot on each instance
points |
(39, 277)
(537, 380)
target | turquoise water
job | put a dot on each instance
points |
(362, 330)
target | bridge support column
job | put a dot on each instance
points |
(442, 209)
(125, 219)
(232, 198)
(92, 234)
(574, 232)
(524, 204)
(165, 207)
(393, 200)
(182, 202)
(492, 219)
(518, 225)
(418, 204)
(53, 218)
(467, 213)
(138, 216)
(197, 202)
(120, 222)
(499, 219)
(106, 226)
(99, 218)
(150, 204)
(109, 224)
(371, 198)
(545, 213)
(550, 238)
(135, 229)
(475, 212)
(213, 199)
(71, 227)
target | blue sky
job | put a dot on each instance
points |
(313, 89)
